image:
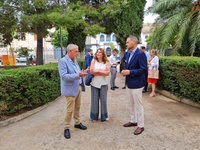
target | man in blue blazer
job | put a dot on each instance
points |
(88, 58)
(71, 79)
(135, 71)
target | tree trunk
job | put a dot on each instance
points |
(39, 53)
(122, 64)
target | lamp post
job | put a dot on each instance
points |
(61, 52)
(61, 42)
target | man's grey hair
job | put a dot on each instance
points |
(70, 47)
(133, 38)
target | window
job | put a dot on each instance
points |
(108, 51)
(102, 38)
(146, 36)
(114, 37)
(108, 38)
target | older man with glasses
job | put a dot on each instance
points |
(71, 86)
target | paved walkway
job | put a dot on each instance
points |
(169, 125)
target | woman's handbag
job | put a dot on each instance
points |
(88, 79)
(153, 74)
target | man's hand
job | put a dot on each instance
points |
(125, 72)
(82, 74)
(87, 70)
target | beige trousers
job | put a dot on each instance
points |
(73, 108)
(136, 106)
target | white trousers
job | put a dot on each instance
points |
(136, 107)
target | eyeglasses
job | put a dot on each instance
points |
(75, 51)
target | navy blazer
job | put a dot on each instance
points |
(88, 60)
(138, 68)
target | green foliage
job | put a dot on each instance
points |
(36, 16)
(28, 87)
(78, 37)
(7, 24)
(177, 26)
(112, 45)
(56, 38)
(180, 76)
(81, 63)
(23, 52)
(118, 18)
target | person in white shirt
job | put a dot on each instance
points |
(153, 65)
(100, 68)
(113, 69)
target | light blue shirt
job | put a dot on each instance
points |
(147, 55)
(131, 54)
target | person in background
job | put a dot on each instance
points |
(88, 58)
(100, 68)
(134, 71)
(153, 65)
(113, 69)
(125, 58)
(148, 58)
(71, 86)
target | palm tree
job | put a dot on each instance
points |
(178, 25)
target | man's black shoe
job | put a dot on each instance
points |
(124, 87)
(116, 87)
(112, 88)
(80, 126)
(67, 134)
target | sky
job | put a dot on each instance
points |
(150, 17)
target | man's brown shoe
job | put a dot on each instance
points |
(130, 124)
(139, 130)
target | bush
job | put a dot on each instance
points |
(28, 87)
(180, 76)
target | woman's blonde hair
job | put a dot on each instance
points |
(104, 56)
(154, 51)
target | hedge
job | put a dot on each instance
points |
(180, 76)
(28, 87)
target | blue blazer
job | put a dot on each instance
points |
(138, 68)
(69, 76)
(88, 60)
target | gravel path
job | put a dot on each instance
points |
(169, 125)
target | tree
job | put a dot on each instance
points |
(7, 24)
(124, 18)
(79, 33)
(35, 16)
(178, 26)
(56, 38)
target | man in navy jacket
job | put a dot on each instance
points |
(88, 58)
(135, 71)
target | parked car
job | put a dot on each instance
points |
(21, 59)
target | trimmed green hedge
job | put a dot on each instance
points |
(28, 87)
(180, 76)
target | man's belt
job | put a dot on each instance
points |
(113, 66)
